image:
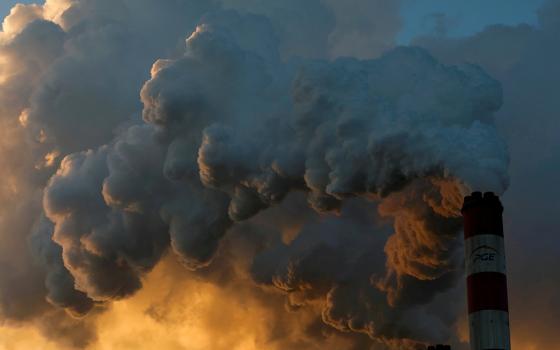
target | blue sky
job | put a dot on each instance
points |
(6, 5)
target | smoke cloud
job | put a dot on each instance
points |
(277, 161)
(524, 59)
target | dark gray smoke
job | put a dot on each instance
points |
(246, 117)
(232, 129)
(64, 88)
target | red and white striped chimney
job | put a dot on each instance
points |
(486, 272)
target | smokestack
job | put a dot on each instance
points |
(486, 272)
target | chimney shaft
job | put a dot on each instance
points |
(486, 272)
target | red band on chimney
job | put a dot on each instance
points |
(487, 291)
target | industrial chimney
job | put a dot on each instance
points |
(486, 272)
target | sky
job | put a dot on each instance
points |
(462, 18)
(6, 5)
(243, 174)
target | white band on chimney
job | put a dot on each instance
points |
(485, 253)
(489, 330)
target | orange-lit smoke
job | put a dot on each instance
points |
(177, 310)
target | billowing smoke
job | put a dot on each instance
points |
(341, 178)
(524, 58)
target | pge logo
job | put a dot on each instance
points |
(483, 253)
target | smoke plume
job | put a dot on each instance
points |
(267, 159)
(523, 57)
